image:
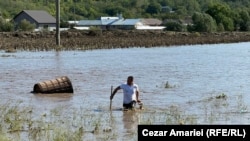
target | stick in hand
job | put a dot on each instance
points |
(110, 105)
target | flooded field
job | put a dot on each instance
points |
(199, 84)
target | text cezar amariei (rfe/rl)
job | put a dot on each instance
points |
(202, 132)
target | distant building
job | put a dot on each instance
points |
(112, 23)
(72, 22)
(42, 19)
(152, 22)
(109, 23)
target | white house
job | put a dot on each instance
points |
(111, 23)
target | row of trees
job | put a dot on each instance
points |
(220, 17)
(207, 15)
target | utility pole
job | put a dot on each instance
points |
(58, 22)
(74, 13)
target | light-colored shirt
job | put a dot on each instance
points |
(129, 92)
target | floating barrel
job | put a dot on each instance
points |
(57, 85)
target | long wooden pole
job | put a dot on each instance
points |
(58, 22)
(110, 104)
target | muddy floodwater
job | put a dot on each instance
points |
(198, 84)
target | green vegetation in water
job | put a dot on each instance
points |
(167, 85)
(221, 96)
(19, 122)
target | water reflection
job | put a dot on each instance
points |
(130, 121)
(54, 97)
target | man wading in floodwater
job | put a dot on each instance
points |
(130, 94)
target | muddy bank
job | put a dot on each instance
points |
(84, 40)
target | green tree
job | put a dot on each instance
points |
(5, 26)
(222, 15)
(244, 20)
(114, 10)
(153, 8)
(181, 10)
(203, 22)
(192, 6)
(174, 26)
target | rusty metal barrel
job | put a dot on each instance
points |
(57, 85)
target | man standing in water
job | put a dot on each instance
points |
(130, 94)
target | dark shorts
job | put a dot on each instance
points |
(131, 105)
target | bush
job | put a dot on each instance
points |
(174, 26)
(26, 26)
(5, 26)
(95, 31)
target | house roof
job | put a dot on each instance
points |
(108, 21)
(151, 21)
(126, 22)
(89, 22)
(39, 16)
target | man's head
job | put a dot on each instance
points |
(130, 80)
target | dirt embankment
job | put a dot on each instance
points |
(84, 40)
